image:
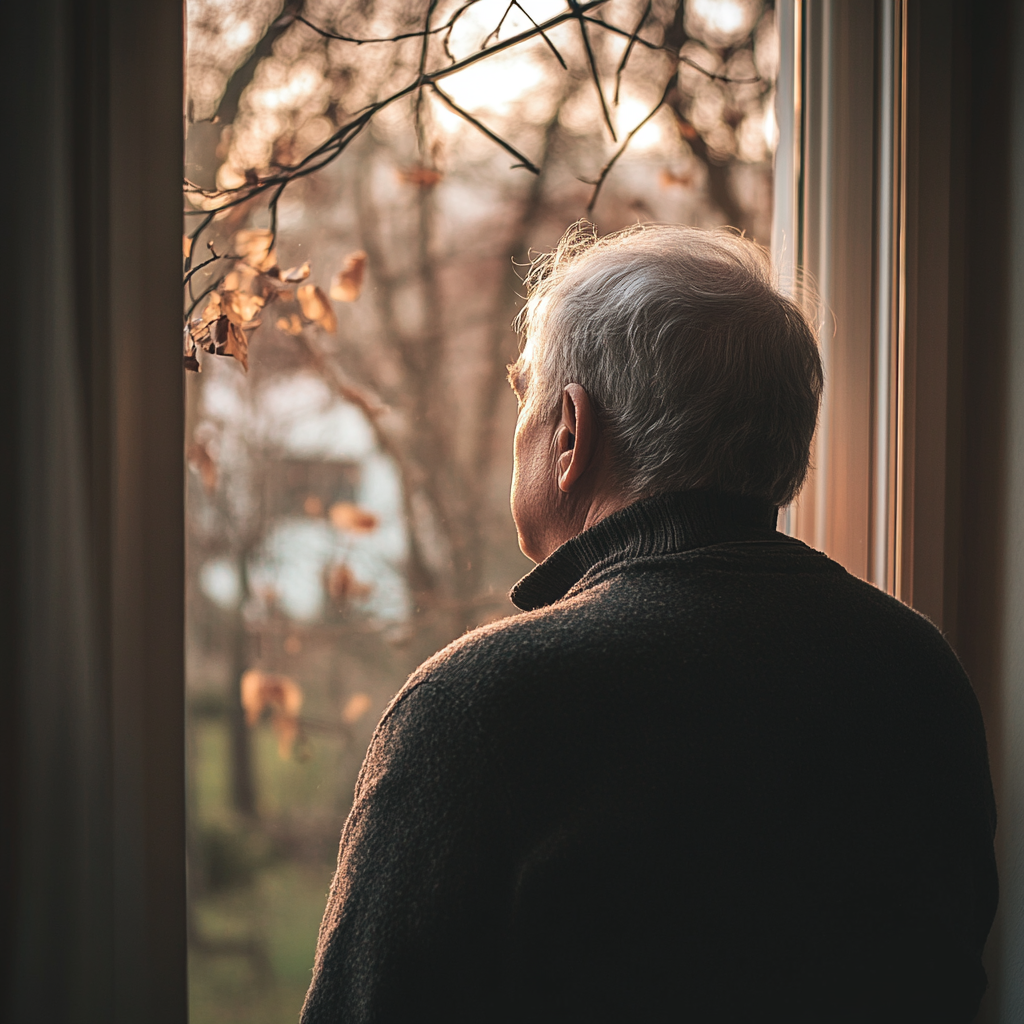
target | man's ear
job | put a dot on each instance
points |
(575, 436)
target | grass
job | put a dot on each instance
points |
(255, 921)
(279, 914)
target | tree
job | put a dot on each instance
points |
(613, 110)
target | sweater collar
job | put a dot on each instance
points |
(662, 525)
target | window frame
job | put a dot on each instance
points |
(866, 216)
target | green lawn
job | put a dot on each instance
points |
(277, 916)
(264, 883)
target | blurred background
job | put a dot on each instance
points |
(349, 434)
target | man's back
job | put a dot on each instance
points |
(711, 777)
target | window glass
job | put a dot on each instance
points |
(349, 434)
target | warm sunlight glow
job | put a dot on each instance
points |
(496, 85)
(721, 22)
(630, 112)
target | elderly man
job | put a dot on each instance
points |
(707, 776)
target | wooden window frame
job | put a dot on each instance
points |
(866, 223)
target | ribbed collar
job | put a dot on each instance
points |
(662, 525)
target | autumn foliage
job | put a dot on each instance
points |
(254, 282)
(281, 697)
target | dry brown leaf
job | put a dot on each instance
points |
(295, 274)
(213, 309)
(317, 307)
(424, 177)
(687, 130)
(198, 337)
(200, 459)
(348, 282)
(355, 707)
(286, 728)
(186, 246)
(313, 506)
(291, 325)
(237, 345)
(667, 178)
(255, 246)
(242, 278)
(241, 307)
(283, 696)
(268, 286)
(342, 585)
(347, 516)
(218, 334)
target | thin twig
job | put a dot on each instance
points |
(689, 61)
(334, 146)
(424, 50)
(389, 39)
(451, 27)
(272, 207)
(370, 404)
(199, 266)
(577, 11)
(497, 31)
(202, 295)
(507, 146)
(543, 35)
(195, 270)
(340, 140)
(615, 30)
(625, 142)
(521, 37)
(629, 49)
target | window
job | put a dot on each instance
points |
(348, 495)
(865, 211)
(894, 167)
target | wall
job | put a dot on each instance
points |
(988, 386)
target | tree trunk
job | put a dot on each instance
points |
(243, 786)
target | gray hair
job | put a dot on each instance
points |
(704, 376)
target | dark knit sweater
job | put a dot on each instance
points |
(708, 776)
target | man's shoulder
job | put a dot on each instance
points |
(507, 645)
(711, 607)
(496, 659)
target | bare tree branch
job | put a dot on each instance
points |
(426, 32)
(591, 60)
(371, 406)
(507, 146)
(689, 61)
(275, 183)
(629, 49)
(329, 150)
(606, 170)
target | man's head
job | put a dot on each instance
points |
(657, 359)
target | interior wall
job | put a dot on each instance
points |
(990, 614)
